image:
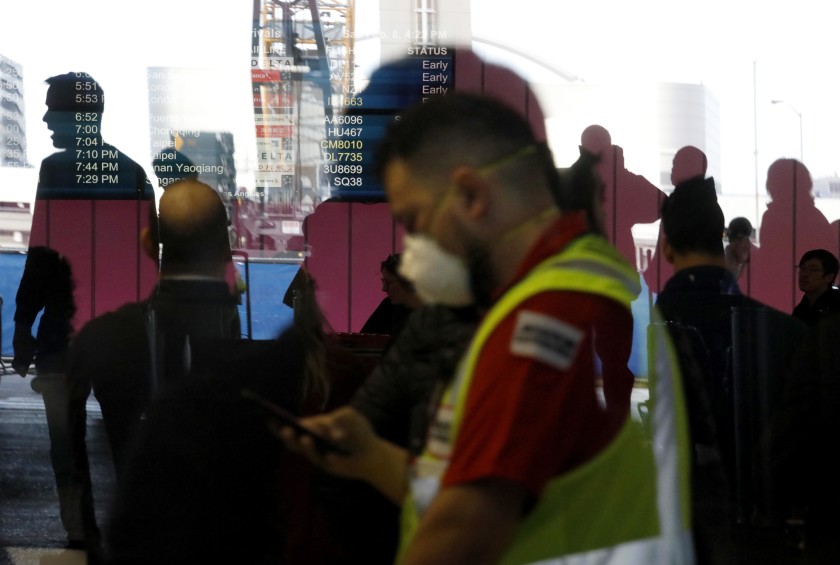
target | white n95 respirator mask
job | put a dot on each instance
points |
(439, 277)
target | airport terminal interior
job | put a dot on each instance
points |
(262, 125)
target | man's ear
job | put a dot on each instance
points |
(148, 244)
(472, 192)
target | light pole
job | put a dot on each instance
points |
(799, 114)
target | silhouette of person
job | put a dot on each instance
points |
(689, 163)
(91, 201)
(790, 226)
(580, 187)
(629, 199)
(47, 285)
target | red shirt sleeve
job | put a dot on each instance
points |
(533, 410)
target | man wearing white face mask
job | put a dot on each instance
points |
(523, 463)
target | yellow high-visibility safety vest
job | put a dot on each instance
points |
(630, 504)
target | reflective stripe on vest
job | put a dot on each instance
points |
(649, 495)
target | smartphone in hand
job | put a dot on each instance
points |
(271, 410)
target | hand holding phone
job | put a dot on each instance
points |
(286, 418)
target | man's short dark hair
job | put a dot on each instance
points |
(464, 129)
(692, 219)
(75, 92)
(738, 228)
(830, 264)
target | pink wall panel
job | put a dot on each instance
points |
(469, 71)
(116, 254)
(38, 233)
(148, 268)
(506, 87)
(348, 241)
(100, 240)
(327, 233)
(372, 240)
(69, 232)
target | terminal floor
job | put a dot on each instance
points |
(30, 529)
(31, 533)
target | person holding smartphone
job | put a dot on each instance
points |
(519, 444)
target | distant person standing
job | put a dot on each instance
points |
(391, 314)
(739, 246)
(817, 270)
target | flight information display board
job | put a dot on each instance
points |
(353, 134)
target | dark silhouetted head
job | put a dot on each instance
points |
(73, 100)
(689, 162)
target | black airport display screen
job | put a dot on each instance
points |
(353, 133)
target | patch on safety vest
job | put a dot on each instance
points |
(545, 339)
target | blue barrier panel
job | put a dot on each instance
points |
(267, 285)
(268, 282)
(11, 269)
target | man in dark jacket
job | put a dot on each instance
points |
(131, 354)
(698, 303)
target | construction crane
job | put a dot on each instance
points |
(302, 61)
(316, 35)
